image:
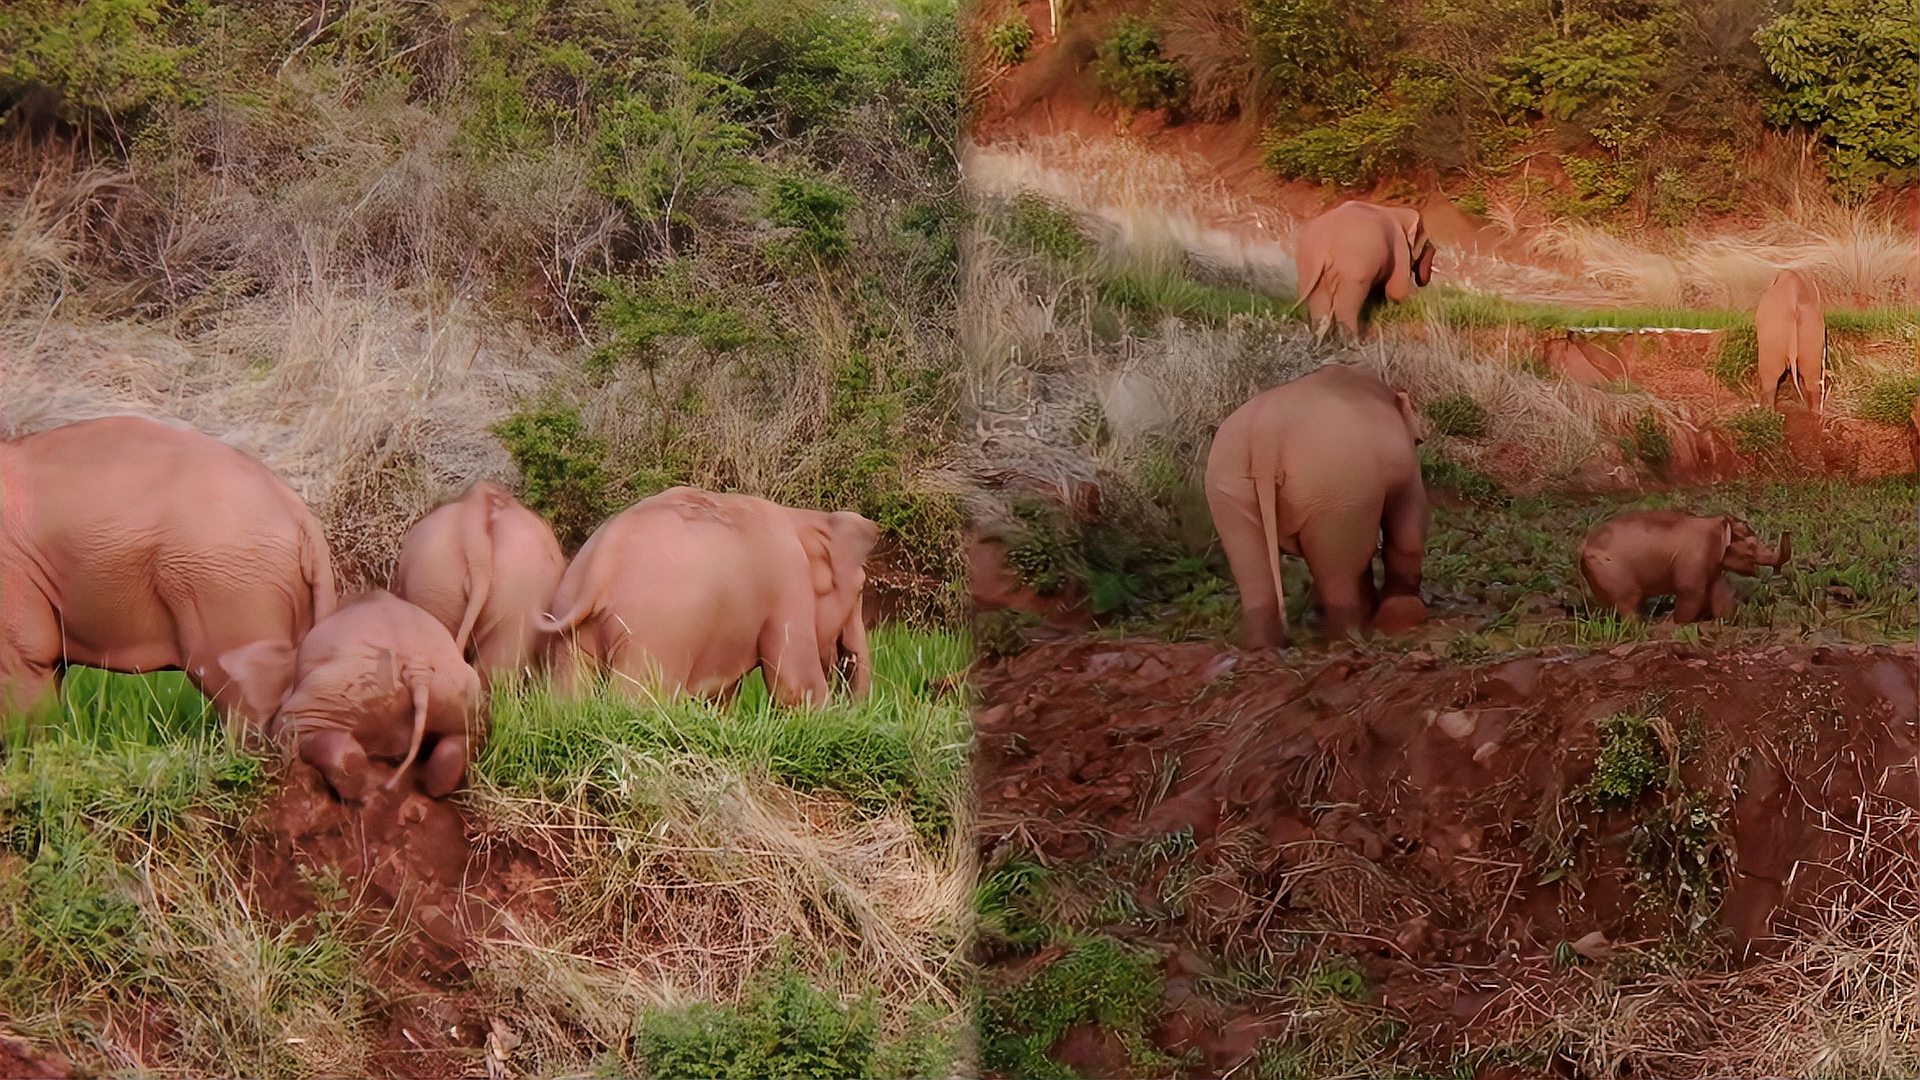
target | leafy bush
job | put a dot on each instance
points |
(1888, 399)
(1131, 68)
(1563, 77)
(1039, 225)
(1738, 360)
(814, 211)
(641, 316)
(561, 470)
(1354, 150)
(1100, 980)
(1320, 53)
(785, 1028)
(1847, 69)
(1599, 184)
(1649, 442)
(1468, 483)
(662, 156)
(1631, 761)
(112, 58)
(1757, 431)
(1009, 39)
(1457, 415)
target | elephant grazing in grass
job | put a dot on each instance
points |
(1646, 553)
(134, 546)
(376, 679)
(688, 591)
(486, 567)
(1354, 249)
(1322, 467)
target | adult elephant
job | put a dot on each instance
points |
(135, 546)
(1353, 250)
(1790, 338)
(1320, 468)
(688, 591)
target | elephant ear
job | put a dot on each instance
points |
(1726, 535)
(263, 670)
(1415, 426)
(1411, 234)
(850, 539)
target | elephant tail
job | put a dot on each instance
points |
(560, 624)
(1266, 489)
(479, 554)
(316, 566)
(418, 684)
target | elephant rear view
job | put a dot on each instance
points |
(1353, 249)
(689, 591)
(135, 546)
(1322, 467)
(1790, 338)
(486, 566)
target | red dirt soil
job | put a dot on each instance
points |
(1402, 812)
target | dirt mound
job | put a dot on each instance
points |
(1461, 833)
(19, 1061)
(413, 872)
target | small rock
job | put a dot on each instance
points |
(1620, 650)
(1593, 946)
(1485, 750)
(1457, 724)
(1219, 666)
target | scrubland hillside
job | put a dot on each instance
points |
(590, 249)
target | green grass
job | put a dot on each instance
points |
(1099, 980)
(900, 747)
(1758, 431)
(1888, 399)
(1472, 310)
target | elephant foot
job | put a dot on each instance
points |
(342, 763)
(1399, 613)
(445, 767)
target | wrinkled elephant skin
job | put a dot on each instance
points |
(1322, 468)
(1646, 553)
(486, 567)
(1354, 249)
(135, 546)
(379, 678)
(688, 591)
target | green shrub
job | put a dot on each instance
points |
(640, 315)
(1354, 150)
(1456, 415)
(814, 210)
(111, 58)
(1099, 980)
(1320, 53)
(1649, 442)
(1009, 39)
(562, 470)
(1132, 70)
(785, 1028)
(1600, 65)
(1040, 225)
(1757, 431)
(1888, 399)
(1631, 761)
(663, 157)
(1737, 362)
(1464, 481)
(1598, 183)
(1040, 551)
(1847, 69)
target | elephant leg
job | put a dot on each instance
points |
(1404, 551)
(30, 691)
(1689, 603)
(1236, 517)
(790, 660)
(1721, 601)
(342, 762)
(1770, 371)
(1320, 313)
(29, 654)
(1336, 558)
(1348, 300)
(445, 766)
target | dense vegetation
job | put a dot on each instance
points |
(1665, 97)
(737, 217)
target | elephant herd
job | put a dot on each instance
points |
(1325, 467)
(134, 546)
(1357, 251)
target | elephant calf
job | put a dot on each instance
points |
(1790, 338)
(1354, 250)
(486, 567)
(377, 678)
(688, 591)
(1649, 553)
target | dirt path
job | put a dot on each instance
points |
(1438, 825)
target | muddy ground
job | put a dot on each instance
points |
(1442, 827)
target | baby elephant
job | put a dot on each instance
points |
(376, 679)
(1648, 553)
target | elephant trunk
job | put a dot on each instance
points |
(1784, 552)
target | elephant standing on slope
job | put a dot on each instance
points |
(486, 567)
(378, 678)
(134, 546)
(1790, 338)
(688, 591)
(1354, 249)
(1321, 468)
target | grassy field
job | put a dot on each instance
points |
(743, 891)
